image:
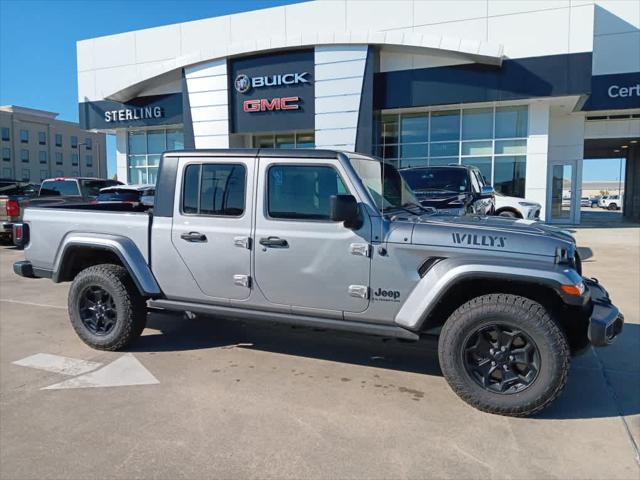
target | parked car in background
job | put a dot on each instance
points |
(15, 196)
(593, 201)
(611, 202)
(585, 202)
(451, 190)
(133, 194)
(13, 193)
(516, 207)
(62, 190)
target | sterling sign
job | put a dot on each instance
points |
(137, 112)
(126, 114)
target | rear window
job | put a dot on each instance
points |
(91, 188)
(59, 188)
(119, 196)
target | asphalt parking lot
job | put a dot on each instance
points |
(216, 398)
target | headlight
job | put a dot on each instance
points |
(528, 204)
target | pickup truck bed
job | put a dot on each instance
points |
(50, 226)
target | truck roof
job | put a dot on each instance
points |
(254, 152)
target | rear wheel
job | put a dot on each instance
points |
(613, 206)
(105, 308)
(504, 354)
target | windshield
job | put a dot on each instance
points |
(386, 186)
(437, 179)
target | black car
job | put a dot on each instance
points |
(454, 189)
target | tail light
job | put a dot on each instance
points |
(13, 208)
(20, 234)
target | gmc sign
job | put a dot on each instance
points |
(266, 105)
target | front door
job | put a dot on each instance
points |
(564, 192)
(302, 258)
(212, 224)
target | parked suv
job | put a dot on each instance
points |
(611, 202)
(452, 190)
(332, 240)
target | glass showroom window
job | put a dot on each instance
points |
(145, 149)
(284, 140)
(494, 139)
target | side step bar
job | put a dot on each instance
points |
(303, 320)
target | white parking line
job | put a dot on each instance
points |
(123, 372)
(33, 304)
(58, 364)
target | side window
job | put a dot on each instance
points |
(214, 189)
(475, 185)
(302, 192)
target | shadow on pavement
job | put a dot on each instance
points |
(591, 392)
(179, 333)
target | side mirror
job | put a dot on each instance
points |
(487, 191)
(344, 208)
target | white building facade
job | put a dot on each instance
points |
(524, 90)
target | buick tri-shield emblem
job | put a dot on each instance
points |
(242, 83)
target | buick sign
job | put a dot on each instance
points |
(243, 83)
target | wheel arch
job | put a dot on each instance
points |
(78, 252)
(434, 300)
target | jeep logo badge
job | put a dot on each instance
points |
(386, 295)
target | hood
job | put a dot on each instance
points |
(490, 233)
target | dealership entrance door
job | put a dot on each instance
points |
(564, 192)
(629, 149)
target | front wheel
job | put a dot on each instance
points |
(613, 206)
(106, 309)
(504, 354)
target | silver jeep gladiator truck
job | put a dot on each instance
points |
(333, 240)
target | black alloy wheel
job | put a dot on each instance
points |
(97, 310)
(501, 359)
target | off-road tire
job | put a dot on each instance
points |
(529, 317)
(131, 312)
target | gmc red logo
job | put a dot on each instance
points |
(266, 105)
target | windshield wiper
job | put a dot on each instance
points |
(405, 207)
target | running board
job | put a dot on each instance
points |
(302, 320)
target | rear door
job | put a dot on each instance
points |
(303, 259)
(212, 224)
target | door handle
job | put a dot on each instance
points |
(194, 237)
(274, 242)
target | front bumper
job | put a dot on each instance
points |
(606, 321)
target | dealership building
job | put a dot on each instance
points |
(524, 90)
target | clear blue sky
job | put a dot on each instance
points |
(38, 42)
(38, 48)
